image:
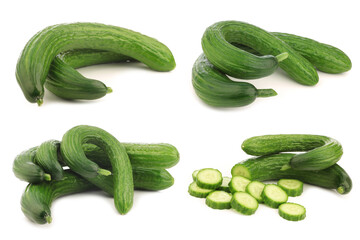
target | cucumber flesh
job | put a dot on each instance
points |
(196, 191)
(244, 203)
(255, 189)
(209, 178)
(274, 196)
(292, 187)
(219, 200)
(225, 184)
(292, 211)
(238, 184)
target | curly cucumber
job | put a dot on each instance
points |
(47, 158)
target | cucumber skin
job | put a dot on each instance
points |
(47, 158)
(216, 89)
(35, 60)
(221, 50)
(269, 168)
(322, 152)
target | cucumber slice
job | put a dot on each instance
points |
(292, 211)
(274, 196)
(255, 189)
(194, 174)
(292, 187)
(219, 200)
(209, 178)
(195, 191)
(244, 203)
(225, 184)
(238, 184)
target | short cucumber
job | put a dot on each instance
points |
(292, 187)
(196, 191)
(292, 211)
(238, 184)
(219, 200)
(270, 168)
(274, 195)
(244, 203)
(255, 189)
(225, 184)
(216, 89)
(209, 178)
(47, 158)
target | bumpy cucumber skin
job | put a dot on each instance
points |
(216, 89)
(47, 158)
(216, 204)
(268, 200)
(292, 217)
(290, 191)
(270, 168)
(35, 60)
(75, 158)
(321, 151)
(241, 208)
(221, 51)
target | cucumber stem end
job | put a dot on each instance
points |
(266, 92)
(109, 90)
(39, 101)
(47, 177)
(104, 172)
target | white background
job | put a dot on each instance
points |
(151, 107)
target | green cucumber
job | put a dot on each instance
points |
(292, 187)
(255, 189)
(274, 195)
(216, 89)
(244, 203)
(209, 178)
(196, 191)
(225, 184)
(194, 174)
(35, 60)
(47, 158)
(75, 158)
(219, 200)
(270, 168)
(238, 184)
(218, 46)
(292, 211)
(320, 151)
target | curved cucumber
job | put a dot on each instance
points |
(47, 158)
(216, 89)
(74, 156)
(35, 60)
(270, 168)
(218, 47)
(320, 151)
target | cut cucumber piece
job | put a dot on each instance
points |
(244, 203)
(255, 189)
(292, 187)
(225, 184)
(219, 200)
(238, 184)
(274, 196)
(196, 191)
(292, 211)
(194, 174)
(209, 178)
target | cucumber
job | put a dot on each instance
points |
(225, 184)
(209, 178)
(244, 203)
(75, 158)
(292, 211)
(216, 44)
(255, 189)
(216, 89)
(47, 158)
(270, 168)
(219, 200)
(292, 187)
(238, 184)
(320, 151)
(35, 60)
(194, 174)
(218, 40)
(196, 191)
(274, 195)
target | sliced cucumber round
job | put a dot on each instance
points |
(225, 184)
(209, 178)
(194, 174)
(244, 203)
(292, 211)
(219, 200)
(195, 191)
(255, 189)
(238, 184)
(292, 187)
(274, 196)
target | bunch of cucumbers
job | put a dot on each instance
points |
(88, 158)
(244, 51)
(50, 57)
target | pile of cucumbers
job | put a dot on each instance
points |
(50, 57)
(316, 164)
(245, 51)
(88, 158)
